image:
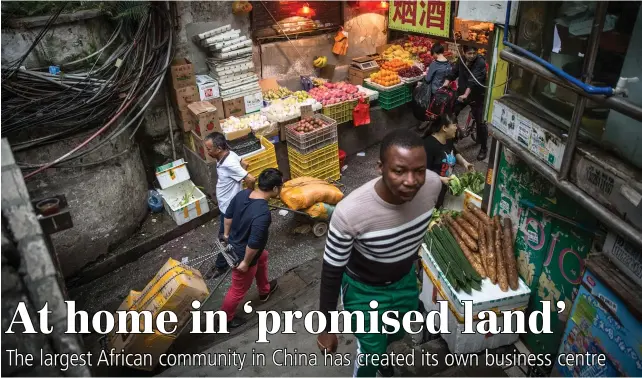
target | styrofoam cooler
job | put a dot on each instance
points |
(175, 182)
(173, 196)
(436, 288)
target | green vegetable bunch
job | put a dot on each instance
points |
(473, 181)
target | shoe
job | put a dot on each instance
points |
(273, 286)
(482, 154)
(386, 371)
(216, 272)
(236, 322)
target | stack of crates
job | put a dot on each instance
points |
(258, 162)
(315, 153)
(393, 98)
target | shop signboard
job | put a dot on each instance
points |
(431, 17)
(602, 323)
(550, 253)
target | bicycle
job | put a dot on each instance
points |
(469, 129)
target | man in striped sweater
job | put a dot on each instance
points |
(373, 244)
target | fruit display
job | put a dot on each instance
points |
(309, 124)
(287, 108)
(395, 51)
(254, 121)
(395, 65)
(274, 94)
(409, 72)
(425, 59)
(301, 96)
(320, 61)
(385, 78)
(317, 81)
(335, 93)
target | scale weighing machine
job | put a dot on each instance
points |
(362, 67)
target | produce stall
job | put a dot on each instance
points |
(467, 256)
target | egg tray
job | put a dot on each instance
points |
(245, 145)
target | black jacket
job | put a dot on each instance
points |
(478, 68)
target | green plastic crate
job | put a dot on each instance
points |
(394, 98)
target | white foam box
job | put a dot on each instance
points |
(184, 212)
(172, 173)
(490, 297)
(459, 203)
(436, 288)
(207, 87)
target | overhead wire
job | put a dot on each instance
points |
(46, 108)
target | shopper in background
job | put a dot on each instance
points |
(471, 78)
(441, 154)
(247, 223)
(231, 172)
(372, 245)
(438, 71)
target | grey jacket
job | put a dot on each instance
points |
(437, 74)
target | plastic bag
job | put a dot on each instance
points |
(361, 113)
(304, 192)
(421, 94)
(154, 201)
(320, 211)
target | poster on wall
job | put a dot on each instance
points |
(421, 16)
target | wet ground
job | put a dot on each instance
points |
(288, 250)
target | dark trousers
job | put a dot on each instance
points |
(477, 111)
(220, 260)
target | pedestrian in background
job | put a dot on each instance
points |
(231, 172)
(247, 223)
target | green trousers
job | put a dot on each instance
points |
(401, 296)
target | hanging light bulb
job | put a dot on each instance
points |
(383, 5)
(306, 11)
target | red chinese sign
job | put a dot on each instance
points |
(430, 17)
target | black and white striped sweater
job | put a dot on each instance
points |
(373, 241)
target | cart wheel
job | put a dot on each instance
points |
(319, 229)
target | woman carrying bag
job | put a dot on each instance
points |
(437, 72)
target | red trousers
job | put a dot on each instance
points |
(241, 283)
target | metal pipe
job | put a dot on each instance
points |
(580, 104)
(608, 91)
(611, 220)
(616, 103)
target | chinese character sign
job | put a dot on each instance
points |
(421, 16)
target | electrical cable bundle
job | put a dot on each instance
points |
(122, 79)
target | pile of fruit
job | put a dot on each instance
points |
(301, 96)
(317, 82)
(274, 94)
(409, 72)
(283, 109)
(253, 121)
(309, 124)
(385, 78)
(426, 59)
(331, 93)
(395, 51)
(395, 65)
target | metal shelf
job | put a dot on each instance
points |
(608, 218)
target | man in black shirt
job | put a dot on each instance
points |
(471, 79)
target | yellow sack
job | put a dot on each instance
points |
(303, 192)
(320, 211)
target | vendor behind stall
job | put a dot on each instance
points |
(441, 153)
(471, 77)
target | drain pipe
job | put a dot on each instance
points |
(590, 89)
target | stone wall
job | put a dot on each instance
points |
(29, 276)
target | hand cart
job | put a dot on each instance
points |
(319, 226)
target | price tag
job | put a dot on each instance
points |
(306, 111)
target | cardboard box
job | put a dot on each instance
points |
(234, 107)
(199, 148)
(155, 344)
(182, 73)
(218, 102)
(237, 133)
(253, 103)
(173, 288)
(207, 87)
(185, 96)
(185, 120)
(356, 76)
(205, 118)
